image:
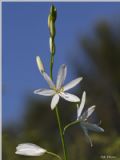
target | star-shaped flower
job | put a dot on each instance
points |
(57, 90)
(29, 149)
(85, 125)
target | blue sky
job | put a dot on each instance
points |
(25, 35)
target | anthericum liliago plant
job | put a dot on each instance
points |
(58, 90)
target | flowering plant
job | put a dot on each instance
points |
(59, 90)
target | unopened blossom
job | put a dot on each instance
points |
(58, 90)
(40, 64)
(83, 118)
(29, 149)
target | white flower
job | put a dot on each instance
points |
(85, 125)
(58, 90)
(29, 149)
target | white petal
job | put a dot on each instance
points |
(70, 97)
(54, 101)
(86, 134)
(29, 149)
(61, 76)
(93, 127)
(40, 64)
(80, 108)
(88, 113)
(72, 84)
(45, 92)
(48, 79)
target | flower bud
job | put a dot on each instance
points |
(53, 13)
(29, 149)
(52, 45)
(40, 64)
(52, 29)
(49, 20)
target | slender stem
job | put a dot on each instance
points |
(51, 66)
(51, 26)
(70, 124)
(61, 133)
(55, 155)
(57, 112)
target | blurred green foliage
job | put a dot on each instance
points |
(39, 124)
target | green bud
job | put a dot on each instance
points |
(53, 12)
(52, 29)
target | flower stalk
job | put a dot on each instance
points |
(54, 155)
(51, 26)
(70, 124)
(61, 134)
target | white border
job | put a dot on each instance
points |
(1, 45)
(1, 81)
(61, 1)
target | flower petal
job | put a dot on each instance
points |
(70, 97)
(27, 145)
(29, 149)
(72, 84)
(93, 127)
(80, 108)
(86, 134)
(61, 76)
(45, 92)
(48, 79)
(54, 101)
(88, 113)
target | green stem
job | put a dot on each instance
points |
(70, 124)
(57, 112)
(61, 133)
(55, 155)
(51, 66)
(51, 25)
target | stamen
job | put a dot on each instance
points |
(58, 90)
